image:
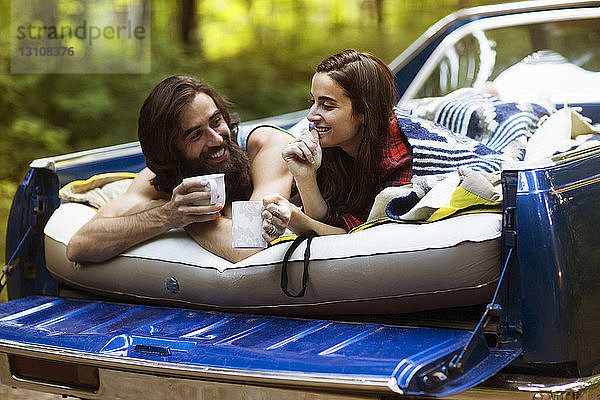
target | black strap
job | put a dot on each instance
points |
(15, 259)
(286, 259)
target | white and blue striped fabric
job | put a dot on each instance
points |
(469, 129)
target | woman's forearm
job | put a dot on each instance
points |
(301, 223)
(312, 201)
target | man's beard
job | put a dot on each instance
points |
(238, 182)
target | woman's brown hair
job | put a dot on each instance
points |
(350, 185)
(159, 124)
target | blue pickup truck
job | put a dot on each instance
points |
(534, 333)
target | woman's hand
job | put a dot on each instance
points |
(276, 216)
(303, 156)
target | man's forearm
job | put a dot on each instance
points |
(105, 237)
(215, 236)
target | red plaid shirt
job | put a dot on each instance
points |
(396, 164)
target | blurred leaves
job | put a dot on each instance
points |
(259, 54)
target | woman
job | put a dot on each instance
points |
(353, 149)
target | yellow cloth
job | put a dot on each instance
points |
(97, 190)
(460, 192)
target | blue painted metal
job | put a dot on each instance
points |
(510, 295)
(131, 163)
(249, 343)
(558, 251)
(404, 76)
(35, 200)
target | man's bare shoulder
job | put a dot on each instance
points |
(142, 186)
(140, 196)
(266, 138)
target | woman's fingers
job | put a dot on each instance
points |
(271, 230)
(303, 148)
(310, 143)
(275, 217)
(291, 152)
(302, 151)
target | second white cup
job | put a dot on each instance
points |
(246, 230)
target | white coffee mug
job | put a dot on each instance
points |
(215, 185)
(246, 229)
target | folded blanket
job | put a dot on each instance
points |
(437, 151)
(459, 144)
(461, 190)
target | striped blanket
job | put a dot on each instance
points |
(467, 128)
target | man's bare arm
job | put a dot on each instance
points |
(138, 215)
(269, 175)
(215, 236)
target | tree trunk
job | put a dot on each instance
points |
(379, 13)
(188, 22)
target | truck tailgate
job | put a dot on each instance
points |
(262, 350)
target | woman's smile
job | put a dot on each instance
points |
(332, 115)
(321, 130)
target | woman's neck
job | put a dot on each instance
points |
(351, 150)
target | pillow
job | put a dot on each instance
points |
(559, 133)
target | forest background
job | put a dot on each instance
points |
(260, 54)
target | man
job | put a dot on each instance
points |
(185, 130)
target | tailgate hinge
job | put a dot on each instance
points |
(492, 310)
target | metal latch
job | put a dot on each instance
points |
(152, 350)
(434, 378)
(509, 225)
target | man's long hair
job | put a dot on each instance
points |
(159, 125)
(350, 185)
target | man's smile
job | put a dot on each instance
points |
(218, 155)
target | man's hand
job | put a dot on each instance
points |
(183, 208)
(138, 215)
